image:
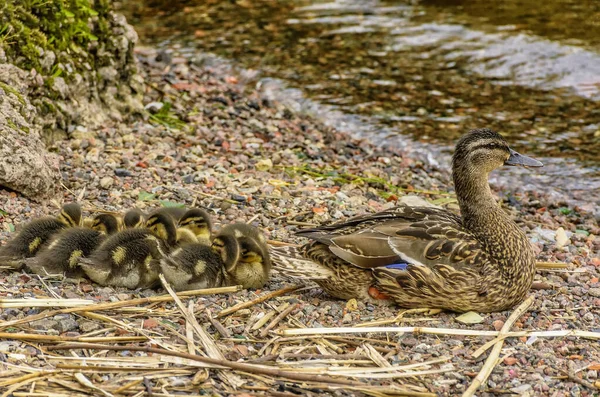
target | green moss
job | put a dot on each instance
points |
(65, 27)
(384, 186)
(10, 89)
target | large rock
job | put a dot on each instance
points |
(25, 165)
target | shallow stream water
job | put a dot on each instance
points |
(418, 74)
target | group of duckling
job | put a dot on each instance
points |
(415, 256)
(132, 250)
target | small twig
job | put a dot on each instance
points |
(297, 223)
(573, 376)
(277, 319)
(148, 387)
(254, 369)
(218, 326)
(552, 265)
(492, 359)
(257, 300)
(538, 285)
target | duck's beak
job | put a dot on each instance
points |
(524, 161)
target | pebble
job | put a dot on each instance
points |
(594, 292)
(106, 182)
(45, 324)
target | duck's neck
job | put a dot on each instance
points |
(477, 204)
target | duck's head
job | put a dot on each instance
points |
(105, 223)
(70, 214)
(244, 251)
(133, 218)
(483, 150)
(198, 221)
(163, 227)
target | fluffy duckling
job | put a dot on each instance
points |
(130, 258)
(134, 218)
(199, 223)
(36, 233)
(194, 266)
(64, 249)
(246, 263)
(238, 255)
(175, 212)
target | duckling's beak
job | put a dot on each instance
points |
(524, 161)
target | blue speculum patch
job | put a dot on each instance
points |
(399, 266)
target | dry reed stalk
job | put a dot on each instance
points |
(33, 375)
(552, 265)
(50, 302)
(116, 305)
(263, 320)
(365, 330)
(189, 334)
(492, 359)
(128, 385)
(85, 382)
(206, 340)
(254, 369)
(399, 317)
(257, 300)
(276, 243)
(375, 356)
(440, 331)
(209, 345)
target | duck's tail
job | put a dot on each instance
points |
(289, 261)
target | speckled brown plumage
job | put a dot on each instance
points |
(480, 261)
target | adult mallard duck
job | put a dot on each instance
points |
(428, 257)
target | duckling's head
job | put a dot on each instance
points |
(163, 227)
(186, 236)
(198, 221)
(70, 214)
(227, 247)
(251, 264)
(105, 223)
(482, 150)
(133, 218)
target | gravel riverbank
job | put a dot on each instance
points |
(208, 140)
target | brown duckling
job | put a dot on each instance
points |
(175, 212)
(64, 249)
(130, 258)
(246, 263)
(36, 233)
(134, 218)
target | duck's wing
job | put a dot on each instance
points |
(402, 235)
